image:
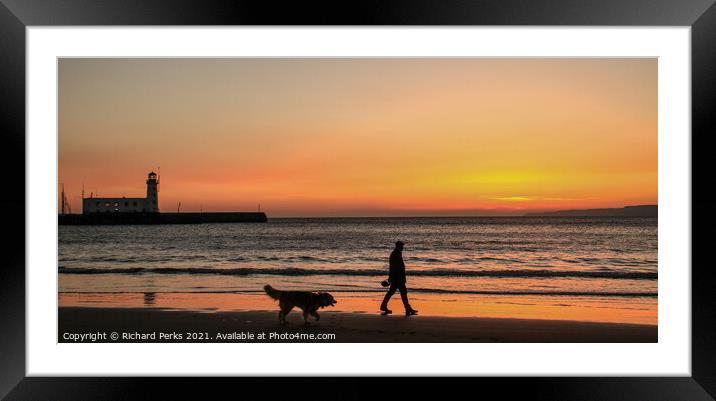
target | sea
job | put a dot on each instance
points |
(536, 256)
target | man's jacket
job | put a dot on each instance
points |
(397, 267)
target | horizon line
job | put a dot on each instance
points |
(487, 213)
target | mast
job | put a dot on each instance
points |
(65, 203)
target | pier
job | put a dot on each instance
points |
(122, 210)
(160, 218)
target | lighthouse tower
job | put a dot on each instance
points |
(152, 193)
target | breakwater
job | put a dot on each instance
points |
(161, 218)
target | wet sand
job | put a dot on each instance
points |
(583, 309)
(158, 325)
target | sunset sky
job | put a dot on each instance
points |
(362, 137)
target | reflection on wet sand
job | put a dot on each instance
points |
(598, 309)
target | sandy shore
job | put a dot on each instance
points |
(156, 325)
(583, 309)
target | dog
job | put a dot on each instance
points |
(307, 301)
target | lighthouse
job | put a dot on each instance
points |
(123, 210)
(149, 204)
(152, 193)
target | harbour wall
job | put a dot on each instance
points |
(161, 218)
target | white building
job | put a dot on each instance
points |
(126, 205)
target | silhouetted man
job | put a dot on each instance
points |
(396, 278)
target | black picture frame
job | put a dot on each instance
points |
(16, 15)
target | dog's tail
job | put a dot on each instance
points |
(273, 293)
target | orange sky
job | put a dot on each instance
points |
(356, 137)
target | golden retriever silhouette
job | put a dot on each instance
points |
(307, 301)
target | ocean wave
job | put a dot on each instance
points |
(292, 271)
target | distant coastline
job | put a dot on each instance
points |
(626, 211)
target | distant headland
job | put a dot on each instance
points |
(626, 211)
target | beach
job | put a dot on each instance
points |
(521, 279)
(154, 325)
(223, 317)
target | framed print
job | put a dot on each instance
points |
(491, 190)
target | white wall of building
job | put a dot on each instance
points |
(150, 204)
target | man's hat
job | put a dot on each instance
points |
(399, 243)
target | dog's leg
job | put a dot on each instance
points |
(285, 309)
(316, 315)
(305, 317)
